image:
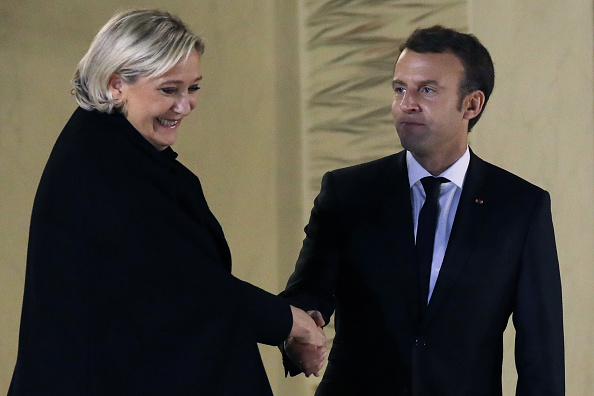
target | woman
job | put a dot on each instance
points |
(128, 288)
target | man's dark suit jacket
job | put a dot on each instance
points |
(358, 260)
(128, 288)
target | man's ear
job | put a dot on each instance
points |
(473, 104)
(116, 87)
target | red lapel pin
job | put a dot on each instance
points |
(479, 201)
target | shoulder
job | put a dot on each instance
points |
(505, 179)
(507, 192)
(367, 182)
(97, 149)
(73, 149)
(381, 167)
(87, 133)
(105, 141)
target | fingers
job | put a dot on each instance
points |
(306, 345)
(318, 337)
(308, 358)
(309, 370)
(315, 365)
(315, 370)
(317, 318)
(305, 329)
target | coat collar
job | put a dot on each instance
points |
(119, 125)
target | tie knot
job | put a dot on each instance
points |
(431, 185)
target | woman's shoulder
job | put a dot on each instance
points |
(91, 136)
(89, 149)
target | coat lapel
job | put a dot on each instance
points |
(469, 218)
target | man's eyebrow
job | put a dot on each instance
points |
(397, 81)
(419, 83)
(429, 82)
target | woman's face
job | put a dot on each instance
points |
(155, 106)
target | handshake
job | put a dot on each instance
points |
(306, 345)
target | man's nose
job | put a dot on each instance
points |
(409, 102)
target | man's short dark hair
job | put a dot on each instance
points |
(479, 73)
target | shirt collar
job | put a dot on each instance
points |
(455, 173)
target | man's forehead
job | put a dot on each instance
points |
(427, 66)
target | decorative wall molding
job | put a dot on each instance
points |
(348, 52)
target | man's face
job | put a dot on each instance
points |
(426, 107)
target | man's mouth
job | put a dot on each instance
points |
(410, 123)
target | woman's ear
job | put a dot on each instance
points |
(116, 87)
(473, 104)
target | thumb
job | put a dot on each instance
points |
(317, 317)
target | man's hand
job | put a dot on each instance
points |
(306, 344)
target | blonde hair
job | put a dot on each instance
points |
(132, 44)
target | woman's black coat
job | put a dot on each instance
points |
(128, 288)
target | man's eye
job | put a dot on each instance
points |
(399, 90)
(427, 90)
(194, 88)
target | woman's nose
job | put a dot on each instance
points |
(184, 105)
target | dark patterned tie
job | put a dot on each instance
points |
(426, 227)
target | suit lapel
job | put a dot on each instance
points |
(399, 233)
(469, 218)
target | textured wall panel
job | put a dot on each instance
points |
(348, 52)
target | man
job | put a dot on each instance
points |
(421, 302)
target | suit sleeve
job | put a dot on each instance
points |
(312, 284)
(538, 314)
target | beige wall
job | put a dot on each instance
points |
(540, 125)
(244, 138)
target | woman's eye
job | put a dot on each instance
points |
(168, 91)
(194, 88)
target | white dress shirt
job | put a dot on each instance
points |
(449, 197)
